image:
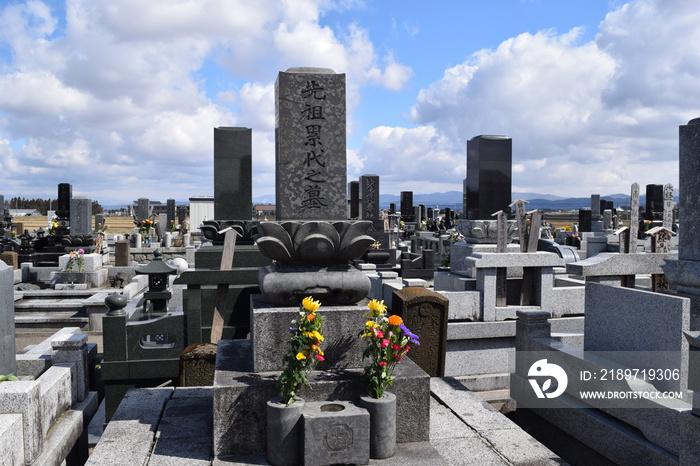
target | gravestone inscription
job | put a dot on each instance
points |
(369, 185)
(310, 146)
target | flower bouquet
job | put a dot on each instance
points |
(76, 259)
(304, 351)
(388, 341)
(283, 426)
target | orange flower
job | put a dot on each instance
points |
(310, 317)
(395, 320)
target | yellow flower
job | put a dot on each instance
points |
(310, 304)
(378, 308)
(314, 335)
(300, 356)
(317, 349)
(370, 324)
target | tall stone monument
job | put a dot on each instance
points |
(313, 242)
(143, 209)
(171, 212)
(489, 176)
(80, 216)
(407, 214)
(7, 320)
(233, 185)
(354, 188)
(369, 185)
(65, 194)
(310, 145)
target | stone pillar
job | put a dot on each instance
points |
(233, 183)
(425, 313)
(65, 194)
(489, 173)
(73, 349)
(354, 188)
(310, 145)
(407, 214)
(369, 185)
(80, 216)
(7, 320)
(170, 212)
(122, 253)
(143, 209)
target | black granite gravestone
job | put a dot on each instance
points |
(407, 214)
(233, 184)
(354, 199)
(171, 212)
(489, 173)
(654, 202)
(585, 217)
(65, 194)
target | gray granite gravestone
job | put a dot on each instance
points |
(80, 216)
(143, 209)
(310, 145)
(7, 320)
(99, 221)
(233, 184)
(489, 173)
(369, 185)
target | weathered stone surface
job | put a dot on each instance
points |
(335, 432)
(425, 313)
(23, 397)
(310, 144)
(7, 320)
(236, 386)
(11, 439)
(80, 216)
(331, 285)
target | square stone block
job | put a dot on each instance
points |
(335, 432)
(23, 398)
(11, 439)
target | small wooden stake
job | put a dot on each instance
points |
(217, 324)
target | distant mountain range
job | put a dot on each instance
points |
(453, 200)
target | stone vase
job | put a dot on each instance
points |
(382, 425)
(284, 432)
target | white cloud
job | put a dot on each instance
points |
(584, 117)
(119, 85)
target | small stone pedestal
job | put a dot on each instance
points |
(335, 432)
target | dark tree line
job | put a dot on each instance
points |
(43, 205)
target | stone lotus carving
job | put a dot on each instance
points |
(297, 243)
(246, 230)
(482, 231)
(78, 240)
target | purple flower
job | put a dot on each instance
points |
(413, 337)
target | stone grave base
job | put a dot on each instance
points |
(240, 397)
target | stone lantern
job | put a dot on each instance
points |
(158, 292)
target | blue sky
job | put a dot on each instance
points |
(119, 98)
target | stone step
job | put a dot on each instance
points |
(43, 305)
(51, 320)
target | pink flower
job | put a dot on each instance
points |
(320, 358)
(383, 363)
(379, 333)
(395, 346)
(399, 358)
(385, 343)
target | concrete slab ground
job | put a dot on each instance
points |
(464, 430)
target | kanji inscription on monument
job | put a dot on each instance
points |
(310, 144)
